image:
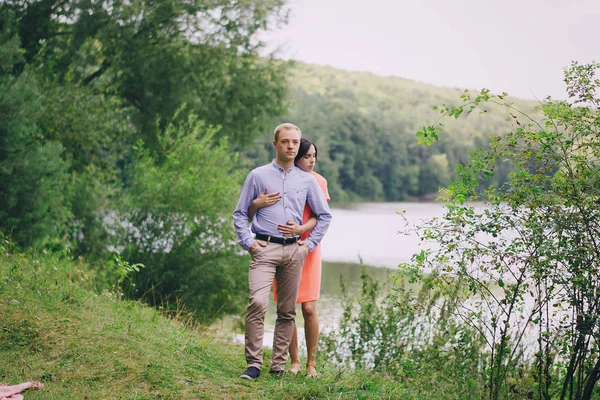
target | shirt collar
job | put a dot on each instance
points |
(280, 169)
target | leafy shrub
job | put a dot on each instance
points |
(176, 221)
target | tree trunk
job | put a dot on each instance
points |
(592, 379)
(572, 364)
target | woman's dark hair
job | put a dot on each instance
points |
(304, 147)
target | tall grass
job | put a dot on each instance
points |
(55, 326)
(421, 344)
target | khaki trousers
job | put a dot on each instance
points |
(284, 263)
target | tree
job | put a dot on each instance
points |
(174, 222)
(92, 121)
(33, 175)
(527, 264)
(159, 55)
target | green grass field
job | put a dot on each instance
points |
(54, 327)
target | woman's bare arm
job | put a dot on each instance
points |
(263, 200)
(293, 229)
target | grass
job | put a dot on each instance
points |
(56, 328)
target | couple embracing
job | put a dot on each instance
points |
(286, 201)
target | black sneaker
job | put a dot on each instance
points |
(251, 373)
(277, 373)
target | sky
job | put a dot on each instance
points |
(518, 47)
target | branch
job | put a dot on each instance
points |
(105, 66)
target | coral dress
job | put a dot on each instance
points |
(310, 282)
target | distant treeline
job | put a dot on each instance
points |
(365, 125)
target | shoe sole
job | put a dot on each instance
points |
(247, 377)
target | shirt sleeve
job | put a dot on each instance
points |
(240, 215)
(320, 208)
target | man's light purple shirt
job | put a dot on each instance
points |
(296, 188)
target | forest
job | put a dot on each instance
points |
(364, 126)
(116, 118)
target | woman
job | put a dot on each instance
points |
(310, 283)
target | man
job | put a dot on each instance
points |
(273, 255)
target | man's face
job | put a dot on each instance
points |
(287, 144)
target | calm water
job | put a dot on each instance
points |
(371, 232)
(367, 232)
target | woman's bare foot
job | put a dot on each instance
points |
(311, 371)
(294, 368)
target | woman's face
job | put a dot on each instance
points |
(307, 163)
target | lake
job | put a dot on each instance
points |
(371, 232)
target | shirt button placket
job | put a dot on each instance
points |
(285, 198)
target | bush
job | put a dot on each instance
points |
(528, 261)
(33, 176)
(176, 221)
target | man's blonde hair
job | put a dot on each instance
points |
(285, 126)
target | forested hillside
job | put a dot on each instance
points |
(365, 125)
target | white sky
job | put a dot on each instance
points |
(520, 47)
